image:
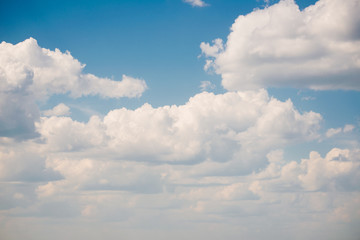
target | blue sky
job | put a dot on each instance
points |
(191, 119)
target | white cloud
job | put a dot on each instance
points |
(65, 134)
(59, 110)
(317, 173)
(333, 131)
(29, 73)
(224, 127)
(348, 128)
(196, 3)
(206, 85)
(212, 50)
(44, 72)
(107, 187)
(96, 175)
(323, 173)
(283, 46)
(308, 185)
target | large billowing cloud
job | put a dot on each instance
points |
(317, 48)
(29, 73)
(239, 126)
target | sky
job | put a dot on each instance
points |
(181, 119)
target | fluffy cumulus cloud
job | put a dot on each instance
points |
(314, 174)
(221, 127)
(280, 45)
(44, 72)
(29, 73)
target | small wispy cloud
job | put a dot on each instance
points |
(59, 110)
(206, 85)
(196, 3)
(334, 131)
(308, 98)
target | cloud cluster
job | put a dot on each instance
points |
(319, 189)
(219, 161)
(281, 46)
(221, 127)
(29, 73)
(338, 170)
(322, 190)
